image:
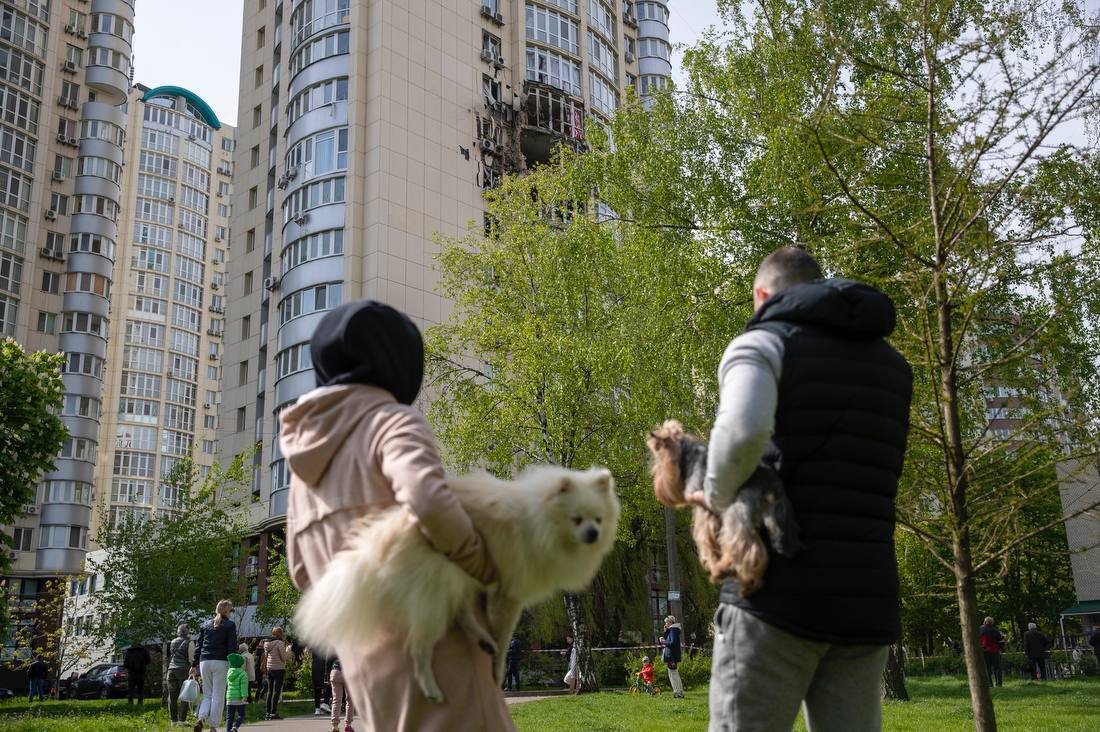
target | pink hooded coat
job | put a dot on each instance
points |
(352, 450)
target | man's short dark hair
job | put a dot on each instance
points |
(784, 268)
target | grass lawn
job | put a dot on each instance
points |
(101, 716)
(938, 704)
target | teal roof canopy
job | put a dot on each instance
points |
(1087, 607)
(197, 102)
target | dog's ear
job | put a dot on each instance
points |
(604, 480)
(564, 486)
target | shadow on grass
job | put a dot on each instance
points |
(956, 688)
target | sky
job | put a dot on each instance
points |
(197, 45)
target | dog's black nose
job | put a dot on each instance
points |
(591, 535)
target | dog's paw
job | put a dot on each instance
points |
(430, 688)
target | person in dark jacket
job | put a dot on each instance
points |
(322, 691)
(37, 673)
(181, 651)
(1094, 641)
(812, 388)
(1036, 648)
(217, 639)
(135, 661)
(511, 664)
(993, 645)
(671, 655)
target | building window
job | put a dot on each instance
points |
(257, 115)
(74, 55)
(555, 29)
(253, 197)
(547, 67)
(22, 539)
(250, 240)
(11, 272)
(259, 75)
(242, 419)
(261, 37)
(51, 282)
(248, 283)
(70, 94)
(255, 155)
(490, 45)
(47, 322)
(246, 326)
(243, 373)
(59, 204)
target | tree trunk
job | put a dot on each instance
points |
(675, 607)
(586, 669)
(981, 697)
(893, 676)
(164, 672)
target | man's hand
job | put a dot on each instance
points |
(697, 498)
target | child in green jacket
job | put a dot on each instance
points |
(236, 693)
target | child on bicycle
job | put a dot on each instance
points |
(646, 674)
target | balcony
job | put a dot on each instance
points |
(549, 118)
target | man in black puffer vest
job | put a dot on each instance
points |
(813, 388)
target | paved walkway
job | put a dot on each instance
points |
(309, 723)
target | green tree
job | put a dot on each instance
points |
(931, 149)
(282, 595)
(573, 335)
(31, 433)
(174, 567)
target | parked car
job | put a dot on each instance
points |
(6, 694)
(102, 681)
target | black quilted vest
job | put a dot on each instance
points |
(840, 431)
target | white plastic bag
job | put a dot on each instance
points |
(189, 692)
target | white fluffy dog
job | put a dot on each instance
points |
(547, 530)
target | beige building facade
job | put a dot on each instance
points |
(366, 128)
(161, 388)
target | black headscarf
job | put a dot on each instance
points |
(367, 342)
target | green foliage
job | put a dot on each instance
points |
(31, 433)
(172, 568)
(694, 670)
(303, 674)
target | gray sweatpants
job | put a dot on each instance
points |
(761, 674)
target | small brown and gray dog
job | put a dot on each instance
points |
(730, 543)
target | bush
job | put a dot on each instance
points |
(1015, 665)
(694, 670)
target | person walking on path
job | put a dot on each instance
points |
(319, 667)
(1094, 641)
(572, 672)
(249, 668)
(672, 653)
(1036, 648)
(136, 661)
(236, 693)
(260, 665)
(813, 389)
(340, 698)
(356, 446)
(217, 639)
(181, 652)
(993, 644)
(37, 673)
(275, 656)
(511, 661)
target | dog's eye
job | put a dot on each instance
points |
(577, 520)
(599, 520)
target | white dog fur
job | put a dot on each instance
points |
(547, 530)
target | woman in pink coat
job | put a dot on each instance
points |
(355, 445)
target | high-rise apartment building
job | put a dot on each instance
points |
(64, 69)
(365, 129)
(164, 350)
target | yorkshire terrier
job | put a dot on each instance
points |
(730, 543)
